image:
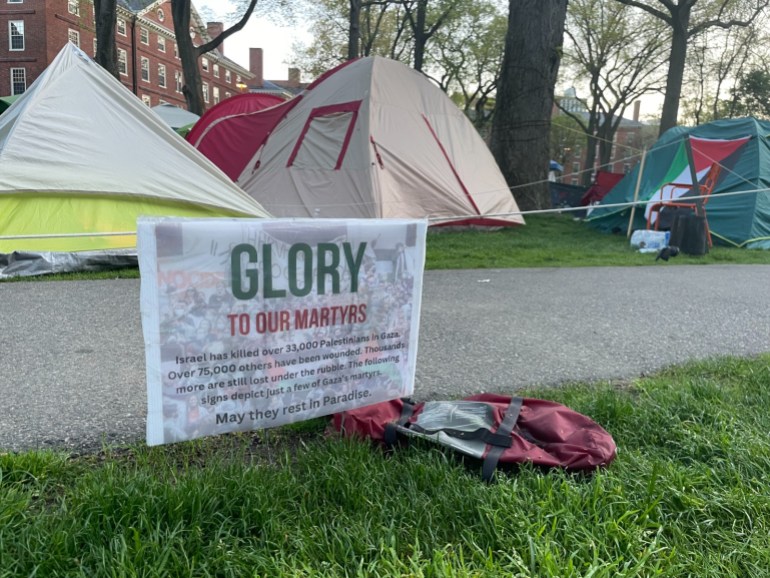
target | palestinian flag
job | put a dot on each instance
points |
(705, 152)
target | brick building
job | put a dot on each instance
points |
(149, 65)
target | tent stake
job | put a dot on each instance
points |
(636, 193)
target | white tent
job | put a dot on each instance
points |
(375, 138)
(81, 158)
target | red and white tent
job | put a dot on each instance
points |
(374, 138)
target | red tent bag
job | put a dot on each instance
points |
(496, 429)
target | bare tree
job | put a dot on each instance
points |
(618, 53)
(520, 129)
(105, 12)
(416, 12)
(687, 19)
(189, 53)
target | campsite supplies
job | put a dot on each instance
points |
(496, 429)
(738, 208)
(650, 241)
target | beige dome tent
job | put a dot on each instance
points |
(374, 138)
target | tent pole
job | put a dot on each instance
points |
(636, 193)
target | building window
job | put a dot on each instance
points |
(145, 69)
(94, 47)
(74, 37)
(176, 51)
(216, 71)
(15, 1)
(161, 15)
(227, 95)
(16, 34)
(205, 64)
(228, 77)
(575, 167)
(162, 75)
(161, 43)
(206, 92)
(122, 62)
(178, 79)
(73, 7)
(18, 80)
(121, 26)
(216, 95)
(237, 79)
(144, 36)
(146, 99)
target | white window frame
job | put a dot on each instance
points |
(228, 76)
(95, 47)
(206, 92)
(122, 62)
(19, 24)
(144, 36)
(145, 69)
(205, 64)
(178, 79)
(146, 99)
(120, 25)
(216, 94)
(73, 36)
(15, 1)
(23, 72)
(73, 7)
(216, 70)
(162, 75)
(161, 43)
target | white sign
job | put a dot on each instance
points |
(255, 323)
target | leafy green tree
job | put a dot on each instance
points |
(520, 130)
(465, 58)
(753, 93)
(688, 19)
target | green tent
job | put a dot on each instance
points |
(6, 101)
(739, 208)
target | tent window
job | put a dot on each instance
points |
(324, 140)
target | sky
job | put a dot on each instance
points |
(276, 41)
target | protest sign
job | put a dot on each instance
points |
(255, 323)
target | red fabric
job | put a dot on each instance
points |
(603, 184)
(562, 437)
(230, 142)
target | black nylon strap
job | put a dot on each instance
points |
(505, 429)
(391, 432)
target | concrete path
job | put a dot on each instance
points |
(72, 353)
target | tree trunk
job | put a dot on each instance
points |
(522, 119)
(354, 29)
(678, 55)
(420, 36)
(106, 52)
(188, 56)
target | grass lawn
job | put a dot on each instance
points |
(688, 495)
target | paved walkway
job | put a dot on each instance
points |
(72, 353)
